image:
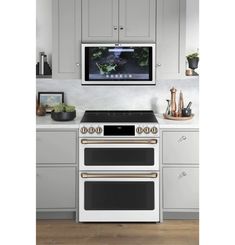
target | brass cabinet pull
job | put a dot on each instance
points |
(151, 175)
(152, 141)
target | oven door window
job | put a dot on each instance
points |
(129, 195)
(119, 156)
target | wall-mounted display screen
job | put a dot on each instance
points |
(107, 64)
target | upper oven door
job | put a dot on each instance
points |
(119, 154)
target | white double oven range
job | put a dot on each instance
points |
(119, 167)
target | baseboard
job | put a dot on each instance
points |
(180, 215)
(55, 215)
(72, 215)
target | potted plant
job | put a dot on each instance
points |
(63, 112)
(193, 60)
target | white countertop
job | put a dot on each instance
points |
(47, 122)
(190, 124)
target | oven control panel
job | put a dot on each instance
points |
(130, 130)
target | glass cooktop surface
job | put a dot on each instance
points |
(119, 116)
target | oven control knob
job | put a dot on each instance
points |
(84, 130)
(98, 130)
(154, 130)
(139, 130)
(147, 130)
(91, 130)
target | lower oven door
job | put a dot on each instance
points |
(119, 154)
(119, 197)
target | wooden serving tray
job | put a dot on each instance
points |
(177, 118)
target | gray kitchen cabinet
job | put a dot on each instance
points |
(179, 160)
(180, 147)
(118, 20)
(137, 20)
(66, 39)
(99, 20)
(56, 147)
(55, 188)
(180, 188)
(170, 39)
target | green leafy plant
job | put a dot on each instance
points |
(96, 55)
(142, 56)
(98, 52)
(58, 108)
(62, 107)
(69, 108)
(192, 56)
(106, 68)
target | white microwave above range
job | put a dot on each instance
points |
(118, 64)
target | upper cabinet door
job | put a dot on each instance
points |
(171, 34)
(99, 20)
(137, 20)
(66, 39)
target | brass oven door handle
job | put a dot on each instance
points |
(151, 141)
(150, 175)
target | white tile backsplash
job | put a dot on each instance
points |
(122, 97)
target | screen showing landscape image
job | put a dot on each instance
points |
(118, 63)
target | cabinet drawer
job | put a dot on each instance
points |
(56, 147)
(55, 187)
(180, 188)
(180, 147)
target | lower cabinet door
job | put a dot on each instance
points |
(56, 147)
(180, 147)
(55, 187)
(180, 188)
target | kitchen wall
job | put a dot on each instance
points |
(126, 97)
(117, 97)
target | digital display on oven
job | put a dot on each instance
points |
(116, 130)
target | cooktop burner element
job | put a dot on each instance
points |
(119, 116)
